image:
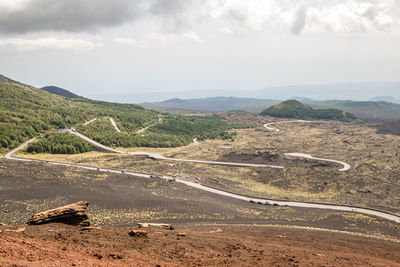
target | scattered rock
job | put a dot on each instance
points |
(19, 230)
(216, 231)
(181, 234)
(156, 225)
(2, 224)
(282, 236)
(88, 228)
(74, 214)
(138, 233)
(115, 256)
(98, 256)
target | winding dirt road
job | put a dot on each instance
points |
(114, 125)
(144, 129)
(89, 122)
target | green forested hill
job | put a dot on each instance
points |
(60, 91)
(295, 109)
(26, 111)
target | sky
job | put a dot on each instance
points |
(99, 48)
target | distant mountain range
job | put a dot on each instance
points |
(355, 91)
(390, 99)
(60, 91)
(342, 91)
(212, 104)
(362, 109)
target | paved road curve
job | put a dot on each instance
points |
(377, 213)
(267, 125)
(346, 166)
(161, 157)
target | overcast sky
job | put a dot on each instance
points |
(95, 47)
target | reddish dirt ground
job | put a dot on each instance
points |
(62, 245)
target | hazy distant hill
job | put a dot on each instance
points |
(363, 109)
(212, 104)
(386, 99)
(298, 110)
(356, 91)
(60, 91)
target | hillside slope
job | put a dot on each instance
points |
(60, 91)
(26, 111)
(298, 110)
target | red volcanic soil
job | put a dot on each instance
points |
(63, 245)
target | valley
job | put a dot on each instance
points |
(340, 185)
(230, 170)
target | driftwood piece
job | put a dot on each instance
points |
(74, 214)
(156, 225)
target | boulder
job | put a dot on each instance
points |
(156, 225)
(19, 230)
(138, 233)
(73, 214)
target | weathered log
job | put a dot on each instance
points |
(73, 214)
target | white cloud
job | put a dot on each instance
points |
(48, 43)
(170, 37)
(192, 36)
(12, 5)
(310, 15)
(125, 41)
(225, 30)
(352, 16)
(27, 16)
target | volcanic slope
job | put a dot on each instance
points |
(26, 111)
(60, 91)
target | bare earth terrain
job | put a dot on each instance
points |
(242, 233)
(61, 245)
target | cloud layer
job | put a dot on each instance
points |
(48, 43)
(25, 16)
(65, 15)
